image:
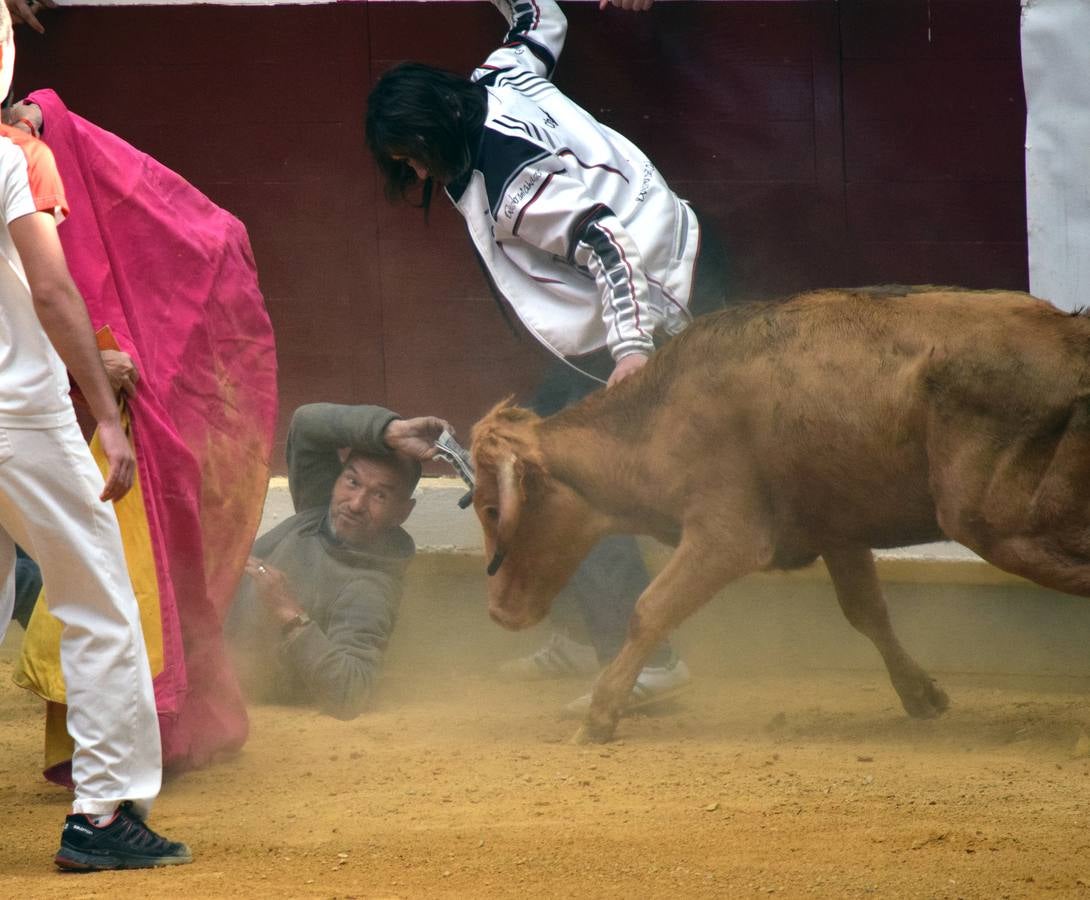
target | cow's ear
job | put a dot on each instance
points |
(530, 468)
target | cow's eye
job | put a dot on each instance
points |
(492, 512)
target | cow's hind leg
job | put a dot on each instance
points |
(1047, 560)
(860, 595)
(1027, 509)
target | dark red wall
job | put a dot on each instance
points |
(831, 144)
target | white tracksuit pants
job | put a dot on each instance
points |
(49, 488)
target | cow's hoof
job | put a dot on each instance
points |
(924, 699)
(590, 733)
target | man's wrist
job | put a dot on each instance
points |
(109, 421)
(284, 612)
(635, 358)
(392, 433)
(632, 350)
(297, 621)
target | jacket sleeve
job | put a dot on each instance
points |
(551, 210)
(533, 41)
(339, 667)
(317, 432)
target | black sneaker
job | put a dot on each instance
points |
(125, 843)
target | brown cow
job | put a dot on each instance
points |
(824, 425)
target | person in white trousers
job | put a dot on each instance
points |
(55, 503)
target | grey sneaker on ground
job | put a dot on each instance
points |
(125, 842)
(561, 657)
(655, 684)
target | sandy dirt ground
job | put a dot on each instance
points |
(753, 784)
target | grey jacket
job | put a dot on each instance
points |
(350, 594)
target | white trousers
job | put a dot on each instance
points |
(49, 487)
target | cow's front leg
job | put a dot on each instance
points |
(693, 574)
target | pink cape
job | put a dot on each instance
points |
(174, 278)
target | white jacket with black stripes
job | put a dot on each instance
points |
(579, 231)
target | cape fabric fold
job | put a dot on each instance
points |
(172, 275)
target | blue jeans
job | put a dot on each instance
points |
(28, 584)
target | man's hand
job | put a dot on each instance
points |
(637, 5)
(415, 437)
(119, 455)
(121, 371)
(274, 591)
(626, 365)
(24, 11)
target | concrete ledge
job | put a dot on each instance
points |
(449, 541)
(897, 570)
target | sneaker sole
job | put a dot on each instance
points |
(653, 697)
(539, 674)
(634, 704)
(75, 861)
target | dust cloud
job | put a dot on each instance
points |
(789, 769)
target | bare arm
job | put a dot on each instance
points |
(63, 315)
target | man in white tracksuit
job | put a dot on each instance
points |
(55, 503)
(578, 232)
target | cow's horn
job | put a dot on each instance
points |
(510, 501)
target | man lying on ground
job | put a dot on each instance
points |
(311, 622)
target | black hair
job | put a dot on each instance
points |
(429, 115)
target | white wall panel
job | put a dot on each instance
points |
(1056, 68)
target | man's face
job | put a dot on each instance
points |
(369, 497)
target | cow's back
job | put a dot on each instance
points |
(836, 400)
